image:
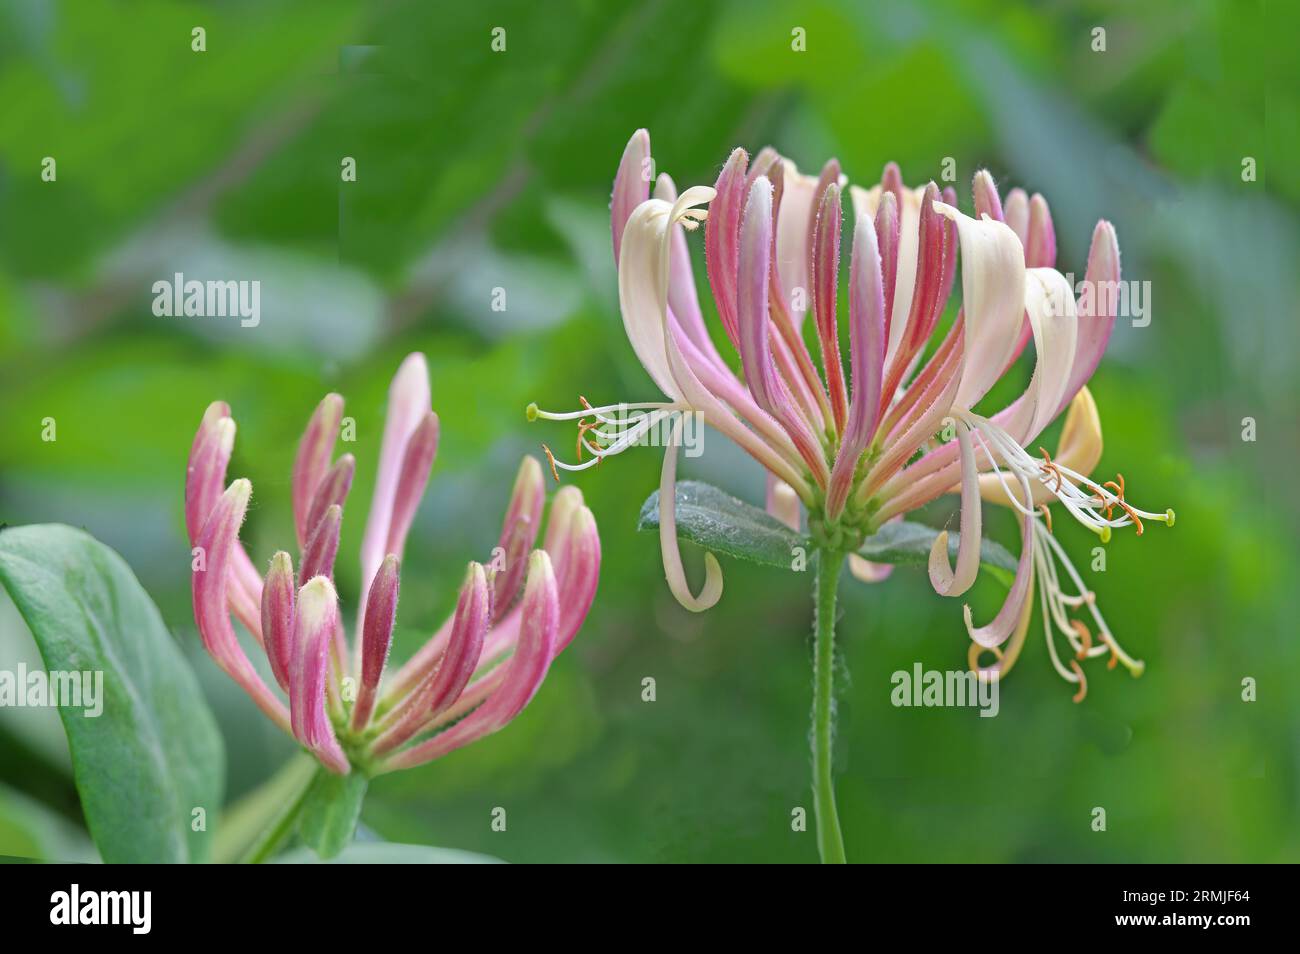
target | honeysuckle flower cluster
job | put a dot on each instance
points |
(900, 429)
(476, 673)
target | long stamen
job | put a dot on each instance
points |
(535, 413)
(618, 433)
(1090, 503)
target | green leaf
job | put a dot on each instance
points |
(385, 852)
(909, 543)
(28, 829)
(330, 811)
(153, 755)
(719, 522)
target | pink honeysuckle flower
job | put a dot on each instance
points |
(857, 450)
(478, 671)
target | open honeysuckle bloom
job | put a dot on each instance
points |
(513, 616)
(859, 446)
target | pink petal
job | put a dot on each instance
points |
(867, 358)
(721, 239)
(464, 647)
(408, 406)
(315, 450)
(825, 265)
(458, 653)
(211, 613)
(985, 193)
(1040, 237)
(205, 478)
(1098, 321)
(206, 474)
(578, 572)
(767, 387)
(521, 676)
(277, 616)
(314, 625)
(376, 637)
(934, 267)
(519, 531)
(413, 478)
(1004, 624)
(322, 549)
(332, 490)
(1017, 213)
(631, 185)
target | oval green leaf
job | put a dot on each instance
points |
(152, 757)
(719, 522)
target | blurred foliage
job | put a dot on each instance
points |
(479, 170)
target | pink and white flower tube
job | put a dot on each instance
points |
(857, 443)
(514, 614)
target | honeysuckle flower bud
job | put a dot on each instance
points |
(860, 450)
(313, 461)
(1016, 213)
(408, 407)
(460, 657)
(413, 477)
(509, 687)
(985, 193)
(376, 636)
(323, 546)
(477, 662)
(316, 614)
(210, 584)
(331, 491)
(576, 561)
(464, 648)
(277, 616)
(518, 532)
(205, 480)
(1040, 236)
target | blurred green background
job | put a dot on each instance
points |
(478, 170)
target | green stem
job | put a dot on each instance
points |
(266, 819)
(830, 843)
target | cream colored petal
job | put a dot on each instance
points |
(643, 281)
(792, 236)
(993, 297)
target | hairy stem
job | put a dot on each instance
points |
(830, 843)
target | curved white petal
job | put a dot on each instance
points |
(993, 297)
(1054, 319)
(797, 191)
(946, 580)
(643, 270)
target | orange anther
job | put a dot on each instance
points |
(1132, 516)
(583, 427)
(551, 459)
(1110, 505)
(1051, 468)
(1083, 682)
(1047, 516)
(1085, 637)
